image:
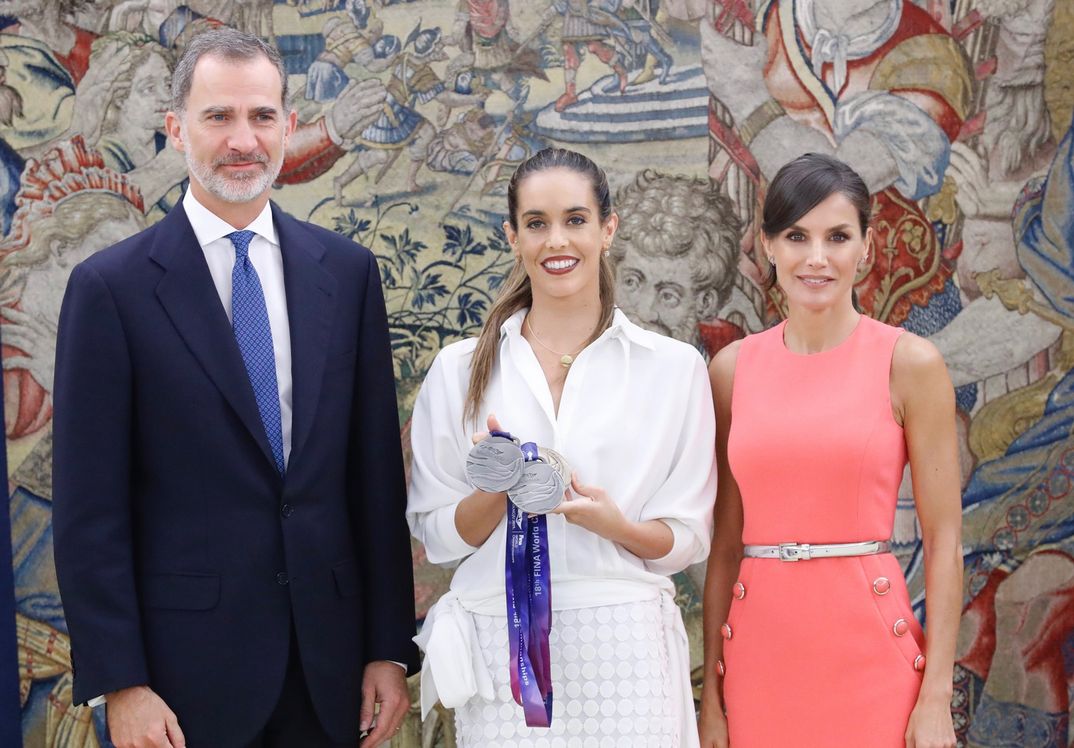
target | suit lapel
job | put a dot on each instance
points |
(311, 306)
(190, 298)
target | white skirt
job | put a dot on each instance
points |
(610, 684)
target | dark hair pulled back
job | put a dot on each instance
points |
(559, 158)
(803, 184)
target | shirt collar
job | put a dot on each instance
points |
(621, 327)
(208, 227)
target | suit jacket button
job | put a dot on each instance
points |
(282, 578)
(287, 510)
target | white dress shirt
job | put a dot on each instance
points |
(212, 232)
(635, 418)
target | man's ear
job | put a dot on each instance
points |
(708, 303)
(292, 123)
(173, 128)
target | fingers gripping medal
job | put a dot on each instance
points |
(544, 479)
(495, 464)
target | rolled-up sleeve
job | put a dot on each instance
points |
(685, 500)
(438, 472)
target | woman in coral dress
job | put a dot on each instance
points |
(810, 638)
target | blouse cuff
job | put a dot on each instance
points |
(442, 541)
(685, 550)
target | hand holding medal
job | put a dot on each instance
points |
(495, 463)
(591, 508)
(535, 480)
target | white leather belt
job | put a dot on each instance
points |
(807, 551)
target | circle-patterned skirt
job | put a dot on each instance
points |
(609, 683)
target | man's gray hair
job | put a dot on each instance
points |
(680, 219)
(228, 44)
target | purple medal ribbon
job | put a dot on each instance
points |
(529, 608)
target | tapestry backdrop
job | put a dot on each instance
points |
(957, 113)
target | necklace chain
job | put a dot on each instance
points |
(565, 359)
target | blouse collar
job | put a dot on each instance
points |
(621, 327)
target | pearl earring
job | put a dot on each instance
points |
(771, 260)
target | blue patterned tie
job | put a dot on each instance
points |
(249, 318)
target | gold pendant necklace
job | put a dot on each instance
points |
(565, 359)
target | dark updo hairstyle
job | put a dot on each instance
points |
(516, 292)
(803, 184)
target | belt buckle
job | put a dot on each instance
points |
(794, 552)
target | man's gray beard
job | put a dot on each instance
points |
(234, 190)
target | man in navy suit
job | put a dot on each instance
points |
(229, 501)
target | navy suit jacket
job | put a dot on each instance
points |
(183, 556)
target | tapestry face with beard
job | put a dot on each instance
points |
(658, 293)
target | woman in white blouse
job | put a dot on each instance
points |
(631, 411)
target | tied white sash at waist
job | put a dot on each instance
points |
(454, 670)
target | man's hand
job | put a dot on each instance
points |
(383, 686)
(138, 718)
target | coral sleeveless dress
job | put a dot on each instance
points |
(819, 652)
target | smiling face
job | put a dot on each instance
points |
(817, 257)
(233, 130)
(560, 236)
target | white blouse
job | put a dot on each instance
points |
(635, 418)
